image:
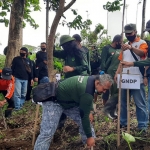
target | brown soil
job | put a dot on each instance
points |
(18, 136)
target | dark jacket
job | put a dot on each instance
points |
(19, 70)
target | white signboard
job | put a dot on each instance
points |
(129, 81)
(58, 77)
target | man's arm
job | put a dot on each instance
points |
(141, 51)
(85, 108)
(104, 57)
(10, 89)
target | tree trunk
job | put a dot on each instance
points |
(51, 37)
(143, 19)
(15, 31)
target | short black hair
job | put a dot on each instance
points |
(43, 43)
(117, 38)
(24, 49)
(77, 37)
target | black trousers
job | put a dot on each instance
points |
(29, 90)
(10, 101)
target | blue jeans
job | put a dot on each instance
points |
(50, 119)
(20, 92)
(141, 108)
(149, 95)
(44, 80)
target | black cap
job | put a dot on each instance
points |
(147, 26)
(77, 37)
(129, 28)
(6, 73)
(24, 49)
(117, 38)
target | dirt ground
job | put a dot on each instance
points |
(19, 134)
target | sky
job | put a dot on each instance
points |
(91, 9)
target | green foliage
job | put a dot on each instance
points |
(30, 47)
(91, 37)
(113, 6)
(30, 5)
(2, 61)
(104, 41)
(147, 37)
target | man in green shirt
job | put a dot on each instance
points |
(75, 99)
(75, 63)
(109, 65)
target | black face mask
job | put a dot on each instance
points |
(118, 46)
(22, 54)
(43, 49)
(131, 38)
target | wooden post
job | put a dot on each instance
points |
(4, 120)
(119, 96)
(35, 124)
(128, 109)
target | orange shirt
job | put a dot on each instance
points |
(143, 47)
(7, 85)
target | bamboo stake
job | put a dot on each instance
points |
(119, 96)
(4, 120)
(128, 110)
(35, 124)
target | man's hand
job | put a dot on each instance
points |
(36, 79)
(68, 69)
(128, 64)
(91, 117)
(2, 103)
(90, 142)
(126, 47)
(32, 82)
(115, 77)
(145, 81)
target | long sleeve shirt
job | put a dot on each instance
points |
(18, 68)
(80, 66)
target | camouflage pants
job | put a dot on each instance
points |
(50, 119)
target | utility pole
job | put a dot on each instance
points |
(126, 12)
(143, 19)
(47, 20)
(137, 11)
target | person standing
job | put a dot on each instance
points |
(22, 71)
(7, 85)
(29, 87)
(136, 48)
(85, 50)
(41, 65)
(110, 62)
(95, 60)
(73, 57)
(143, 63)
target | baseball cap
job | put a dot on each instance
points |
(24, 49)
(77, 37)
(6, 73)
(147, 26)
(129, 28)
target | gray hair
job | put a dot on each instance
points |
(105, 78)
